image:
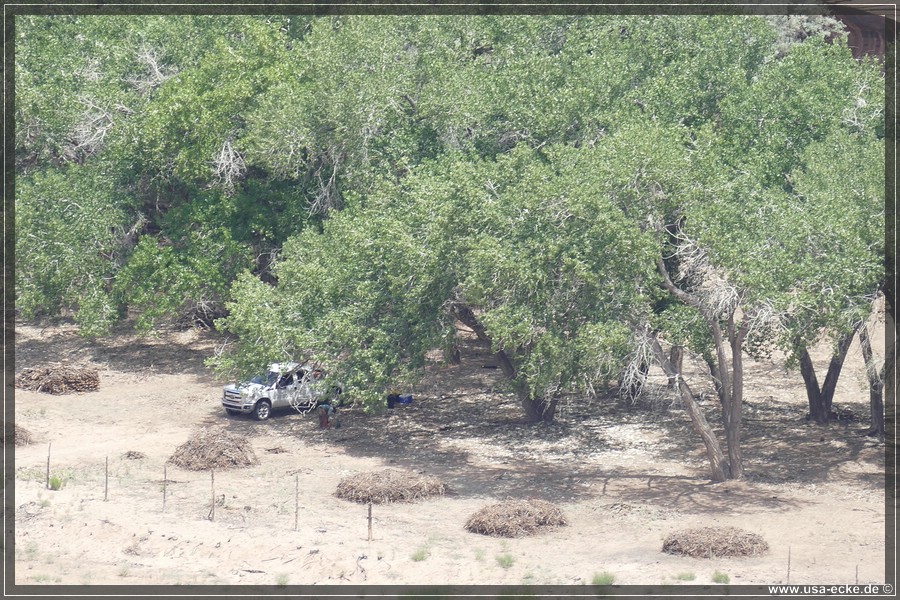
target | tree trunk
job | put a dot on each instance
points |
(729, 387)
(813, 392)
(876, 384)
(733, 433)
(729, 383)
(820, 399)
(536, 409)
(834, 369)
(452, 355)
(676, 357)
(467, 317)
(717, 463)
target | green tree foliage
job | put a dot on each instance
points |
(72, 234)
(350, 187)
(156, 104)
(524, 250)
(70, 89)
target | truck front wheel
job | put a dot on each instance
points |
(261, 412)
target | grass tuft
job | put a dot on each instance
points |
(604, 578)
(505, 560)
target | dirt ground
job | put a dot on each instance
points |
(626, 475)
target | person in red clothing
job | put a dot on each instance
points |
(326, 414)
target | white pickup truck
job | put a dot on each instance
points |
(290, 384)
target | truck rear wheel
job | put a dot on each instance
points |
(262, 410)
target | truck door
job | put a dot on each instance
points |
(284, 390)
(304, 391)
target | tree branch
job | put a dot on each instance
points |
(673, 289)
(465, 315)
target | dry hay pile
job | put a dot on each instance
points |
(516, 518)
(714, 542)
(22, 436)
(214, 449)
(58, 379)
(134, 455)
(390, 485)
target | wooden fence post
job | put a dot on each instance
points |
(789, 566)
(48, 464)
(296, 500)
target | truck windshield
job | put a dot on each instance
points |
(267, 379)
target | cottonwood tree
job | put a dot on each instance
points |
(525, 251)
(153, 107)
(843, 184)
(237, 128)
(783, 239)
(812, 125)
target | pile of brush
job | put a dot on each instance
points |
(214, 448)
(714, 542)
(22, 437)
(59, 379)
(516, 518)
(390, 485)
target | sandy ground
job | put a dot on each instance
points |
(625, 475)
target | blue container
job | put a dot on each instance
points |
(404, 399)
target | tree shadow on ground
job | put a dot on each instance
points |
(122, 351)
(463, 427)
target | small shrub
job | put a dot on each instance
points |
(419, 555)
(56, 483)
(282, 580)
(134, 549)
(604, 578)
(31, 549)
(505, 560)
(720, 577)
(685, 577)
